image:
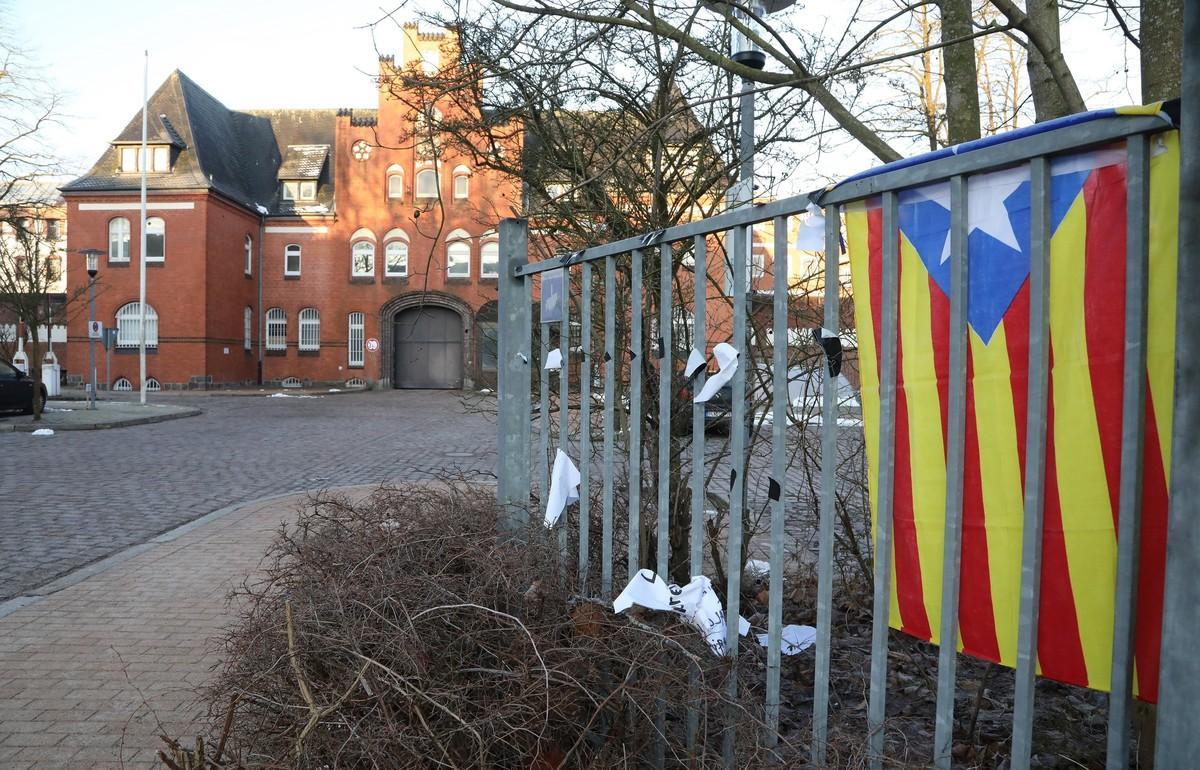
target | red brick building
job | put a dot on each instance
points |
(294, 246)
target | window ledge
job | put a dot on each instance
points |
(355, 366)
(271, 352)
(401, 279)
(118, 263)
(156, 263)
(362, 279)
(150, 350)
(309, 353)
(460, 279)
(291, 276)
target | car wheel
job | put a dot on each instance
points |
(42, 396)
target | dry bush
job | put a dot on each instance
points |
(402, 631)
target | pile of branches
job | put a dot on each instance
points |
(403, 631)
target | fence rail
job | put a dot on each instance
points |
(1035, 150)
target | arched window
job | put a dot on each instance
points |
(489, 259)
(122, 385)
(458, 259)
(362, 258)
(276, 329)
(291, 259)
(395, 253)
(156, 239)
(395, 182)
(118, 239)
(249, 255)
(153, 385)
(462, 177)
(247, 324)
(310, 329)
(129, 324)
(427, 186)
(355, 341)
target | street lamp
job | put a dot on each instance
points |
(93, 266)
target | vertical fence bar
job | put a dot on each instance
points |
(737, 462)
(666, 371)
(700, 343)
(955, 446)
(1133, 436)
(515, 357)
(611, 364)
(778, 485)
(887, 450)
(635, 412)
(1178, 739)
(543, 414)
(1035, 461)
(829, 444)
(585, 421)
(696, 533)
(564, 400)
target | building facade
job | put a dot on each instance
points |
(296, 247)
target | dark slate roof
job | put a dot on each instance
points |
(235, 153)
(303, 161)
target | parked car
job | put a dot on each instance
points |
(17, 390)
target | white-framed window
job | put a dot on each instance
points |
(462, 182)
(153, 385)
(122, 384)
(362, 258)
(300, 190)
(159, 155)
(276, 329)
(291, 259)
(489, 259)
(156, 239)
(427, 186)
(247, 325)
(356, 340)
(458, 259)
(310, 329)
(249, 255)
(395, 182)
(118, 239)
(129, 322)
(395, 255)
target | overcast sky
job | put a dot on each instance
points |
(305, 53)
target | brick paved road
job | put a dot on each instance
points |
(73, 498)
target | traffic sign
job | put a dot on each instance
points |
(95, 330)
(372, 345)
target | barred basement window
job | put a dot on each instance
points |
(310, 329)
(356, 382)
(291, 382)
(122, 385)
(354, 345)
(276, 329)
(129, 320)
(152, 385)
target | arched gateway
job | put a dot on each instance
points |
(427, 341)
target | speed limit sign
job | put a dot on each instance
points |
(372, 345)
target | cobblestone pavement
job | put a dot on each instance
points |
(70, 499)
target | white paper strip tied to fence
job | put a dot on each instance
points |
(696, 602)
(793, 639)
(727, 360)
(695, 360)
(564, 487)
(554, 359)
(812, 231)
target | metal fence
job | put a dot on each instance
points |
(517, 358)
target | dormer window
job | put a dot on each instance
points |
(300, 190)
(159, 155)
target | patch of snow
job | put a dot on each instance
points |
(57, 409)
(43, 432)
(290, 395)
(335, 390)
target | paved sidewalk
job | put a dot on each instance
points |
(91, 675)
(74, 415)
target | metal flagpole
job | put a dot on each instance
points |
(142, 253)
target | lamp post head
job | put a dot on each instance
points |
(742, 49)
(93, 260)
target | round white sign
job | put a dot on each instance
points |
(372, 345)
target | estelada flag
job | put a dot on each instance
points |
(1083, 444)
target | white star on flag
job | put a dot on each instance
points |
(986, 194)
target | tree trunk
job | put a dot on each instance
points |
(1161, 37)
(959, 73)
(1049, 101)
